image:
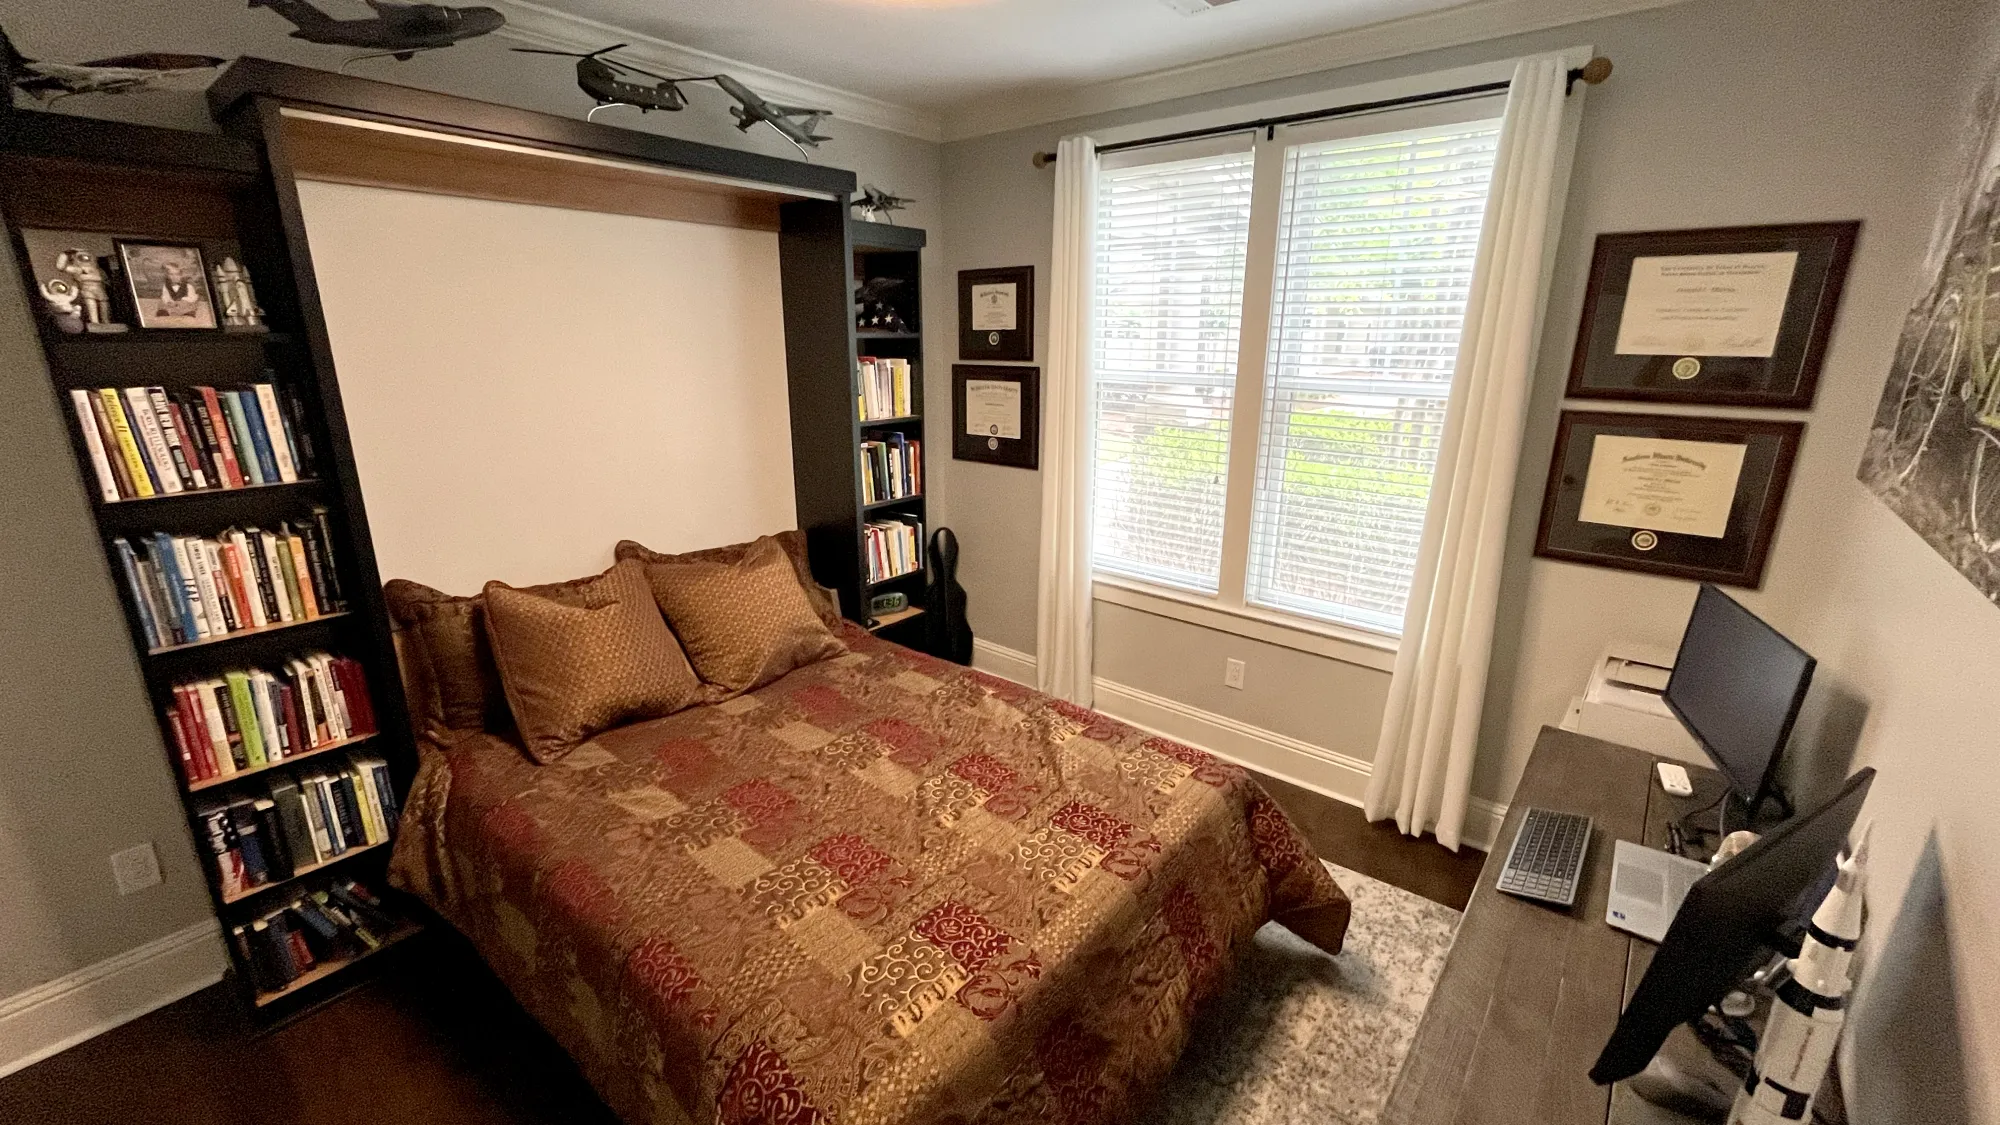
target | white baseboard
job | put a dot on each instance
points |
(1324, 771)
(53, 1017)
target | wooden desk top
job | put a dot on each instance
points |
(1531, 992)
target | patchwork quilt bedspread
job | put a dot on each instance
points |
(882, 889)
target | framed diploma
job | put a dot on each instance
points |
(996, 314)
(1727, 316)
(1688, 497)
(996, 415)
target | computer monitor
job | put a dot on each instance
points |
(1730, 919)
(1737, 685)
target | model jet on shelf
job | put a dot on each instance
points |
(397, 29)
(121, 74)
(878, 206)
(605, 80)
(795, 124)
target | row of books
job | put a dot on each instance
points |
(895, 548)
(891, 469)
(258, 839)
(186, 588)
(342, 921)
(249, 719)
(148, 441)
(885, 389)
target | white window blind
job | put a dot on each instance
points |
(1171, 240)
(1374, 266)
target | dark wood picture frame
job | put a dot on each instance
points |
(1015, 345)
(1786, 379)
(1735, 559)
(136, 303)
(1024, 452)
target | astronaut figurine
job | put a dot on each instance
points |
(1804, 1028)
(236, 299)
(93, 298)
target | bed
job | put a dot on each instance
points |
(883, 888)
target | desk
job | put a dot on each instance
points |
(1531, 992)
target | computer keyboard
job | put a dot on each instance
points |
(1547, 856)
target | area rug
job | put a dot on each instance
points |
(1304, 1037)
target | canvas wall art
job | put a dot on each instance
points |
(1934, 452)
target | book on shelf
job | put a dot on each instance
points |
(885, 388)
(895, 548)
(297, 820)
(149, 441)
(335, 923)
(891, 469)
(186, 588)
(250, 719)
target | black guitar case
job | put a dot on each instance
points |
(950, 636)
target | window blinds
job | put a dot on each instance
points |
(1376, 245)
(1171, 239)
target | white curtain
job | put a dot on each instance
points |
(1422, 774)
(1062, 635)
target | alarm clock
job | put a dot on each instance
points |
(883, 604)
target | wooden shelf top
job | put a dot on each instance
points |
(212, 782)
(190, 493)
(326, 969)
(301, 872)
(874, 504)
(255, 630)
(878, 334)
(66, 340)
(896, 618)
(898, 420)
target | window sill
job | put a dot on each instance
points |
(1336, 642)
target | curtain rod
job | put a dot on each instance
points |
(1590, 73)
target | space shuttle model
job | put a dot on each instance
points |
(1811, 1008)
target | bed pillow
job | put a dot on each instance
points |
(744, 623)
(571, 671)
(443, 639)
(792, 543)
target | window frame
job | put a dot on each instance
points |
(1228, 609)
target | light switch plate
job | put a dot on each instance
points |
(136, 868)
(1232, 673)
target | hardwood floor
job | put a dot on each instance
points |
(434, 1038)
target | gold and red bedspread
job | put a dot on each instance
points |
(882, 889)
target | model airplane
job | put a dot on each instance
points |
(877, 205)
(396, 29)
(122, 74)
(795, 124)
(604, 79)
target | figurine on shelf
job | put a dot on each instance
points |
(92, 297)
(240, 312)
(878, 206)
(61, 295)
(872, 310)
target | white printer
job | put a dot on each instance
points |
(1623, 702)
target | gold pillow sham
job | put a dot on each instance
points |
(743, 623)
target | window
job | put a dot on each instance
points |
(1301, 490)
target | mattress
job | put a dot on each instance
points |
(882, 889)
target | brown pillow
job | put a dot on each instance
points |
(743, 624)
(571, 671)
(443, 637)
(793, 543)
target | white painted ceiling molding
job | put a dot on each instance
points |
(1450, 27)
(539, 26)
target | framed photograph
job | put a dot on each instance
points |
(168, 284)
(1667, 494)
(996, 314)
(996, 415)
(1735, 316)
(69, 274)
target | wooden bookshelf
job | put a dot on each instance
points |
(110, 179)
(300, 873)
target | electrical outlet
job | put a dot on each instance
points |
(136, 868)
(1232, 673)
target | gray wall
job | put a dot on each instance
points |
(1720, 113)
(82, 769)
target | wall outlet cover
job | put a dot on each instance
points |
(136, 868)
(1232, 673)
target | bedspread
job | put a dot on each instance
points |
(882, 889)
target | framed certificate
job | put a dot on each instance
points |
(1725, 316)
(996, 415)
(996, 314)
(1688, 497)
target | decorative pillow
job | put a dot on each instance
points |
(443, 639)
(745, 623)
(571, 671)
(792, 543)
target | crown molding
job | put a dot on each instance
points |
(535, 25)
(1429, 31)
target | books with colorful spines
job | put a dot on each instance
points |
(93, 440)
(180, 460)
(219, 840)
(209, 407)
(322, 524)
(112, 405)
(239, 436)
(243, 818)
(273, 422)
(152, 441)
(260, 438)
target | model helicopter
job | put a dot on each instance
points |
(397, 29)
(751, 109)
(877, 206)
(122, 74)
(604, 79)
